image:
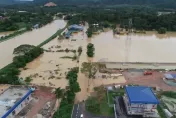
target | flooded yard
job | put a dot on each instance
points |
(34, 37)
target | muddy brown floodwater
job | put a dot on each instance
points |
(50, 70)
(34, 37)
(5, 33)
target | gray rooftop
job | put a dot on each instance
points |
(10, 96)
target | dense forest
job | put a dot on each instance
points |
(142, 19)
(16, 20)
(156, 3)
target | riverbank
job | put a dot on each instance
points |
(58, 33)
(16, 33)
(34, 37)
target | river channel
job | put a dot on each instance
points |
(34, 37)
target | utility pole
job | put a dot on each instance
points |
(128, 40)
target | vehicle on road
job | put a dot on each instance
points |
(81, 116)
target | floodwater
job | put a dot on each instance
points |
(148, 47)
(34, 37)
(5, 33)
(50, 69)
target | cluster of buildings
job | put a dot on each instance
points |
(13, 99)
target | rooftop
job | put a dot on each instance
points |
(11, 96)
(170, 76)
(141, 94)
(75, 27)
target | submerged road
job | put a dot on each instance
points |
(139, 65)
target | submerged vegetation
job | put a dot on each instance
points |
(9, 74)
(3, 38)
(22, 49)
(162, 30)
(90, 50)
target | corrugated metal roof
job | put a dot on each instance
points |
(173, 75)
(16, 105)
(77, 27)
(141, 94)
(170, 76)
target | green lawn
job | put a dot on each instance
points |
(105, 110)
(113, 94)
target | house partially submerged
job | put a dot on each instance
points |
(140, 100)
(73, 28)
(13, 100)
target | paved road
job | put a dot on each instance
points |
(76, 111)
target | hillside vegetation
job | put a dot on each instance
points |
(156, 3)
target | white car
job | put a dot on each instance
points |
(81, 116)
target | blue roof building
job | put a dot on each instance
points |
(141, 94)
(140, 100)
(75, 27)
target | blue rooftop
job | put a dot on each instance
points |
(141, 94)
(75, 27)
(170, 76)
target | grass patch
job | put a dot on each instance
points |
(98, 105)
(105, 109)
(113, 94)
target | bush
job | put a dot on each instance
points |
(162, 30)
(170, 94)
(90, 50)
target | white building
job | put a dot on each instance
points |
(140, 100)
(13, 100)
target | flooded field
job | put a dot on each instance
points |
(34, 37)
(50, 69)
(141, 48)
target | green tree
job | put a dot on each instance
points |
(162, 30)
(90, 50)
(59, 92)
(79, 50)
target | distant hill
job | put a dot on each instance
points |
(157, 3)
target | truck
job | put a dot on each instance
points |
(147, 72)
